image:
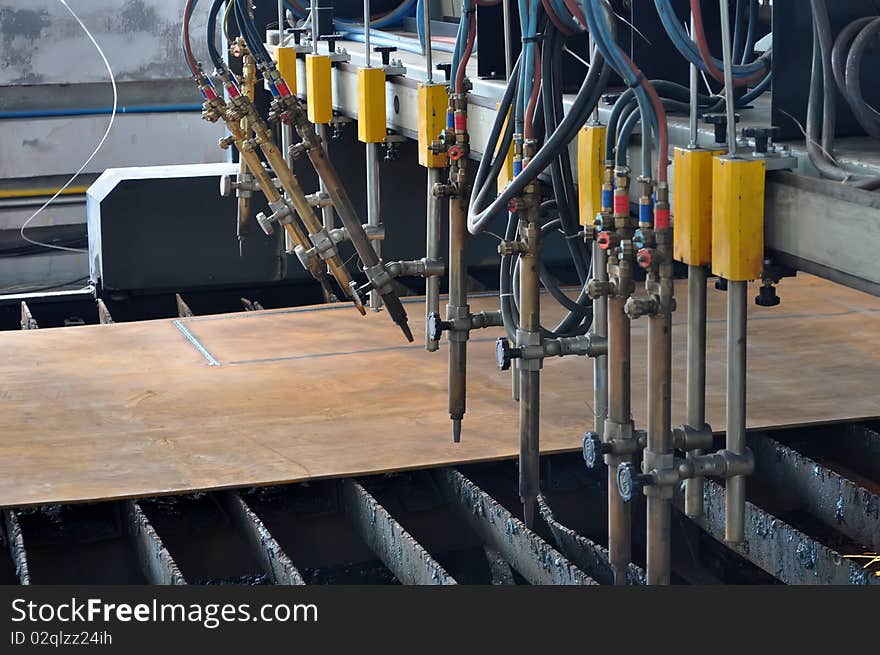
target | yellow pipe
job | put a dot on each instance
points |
(41, 192)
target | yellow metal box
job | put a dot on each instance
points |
(738, 218)
(433, 100)
(692, 205)
(286, 57)
(371, 105)
(591, 168)
(319, 88)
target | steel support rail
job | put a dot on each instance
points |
(272, 558)
(776, 547)
(830, 497)
(157, 564)
(592, 558)
(16, 546)
(391, 543)
(532, 557)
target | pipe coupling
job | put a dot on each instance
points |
(636, 307)
(379, 279)
(685, 437)
(721, 464)
(591, 345)
(416, 268)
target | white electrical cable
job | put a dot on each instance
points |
(94, 152)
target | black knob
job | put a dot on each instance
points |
(331, 40)
(298, 32)
(610, 98)
(721, 283)
(504, 353)
(385, 51)
(762, 137)
(436, 326)
(446, 68)
(593, 449)
(720, 123)
(629, 482)
(767, 296)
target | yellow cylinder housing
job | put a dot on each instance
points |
(590, 162)
(433, 100)
(505, 176)
(319, 88)
(692, 205)
(371, 105)
(738, 217)
(286, 58)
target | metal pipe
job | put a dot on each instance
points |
(327, 216)
(619, 518)
(696, 378)
(529, 334)
(313, 9)
(728, 76)
(737, 302)
(367, 33)
(737, 291)
(508, 50)
(429, 52)
(600, 329)
(694, 103)
(432, 251)
(281, 22)
(374, 208)
(659, 445)
(457, 307)
(358, 237)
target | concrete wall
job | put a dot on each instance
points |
(43, 44)
(48, 63)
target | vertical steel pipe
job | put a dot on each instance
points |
(457, 307)
(696, 378)
(429, 52)
(286, 142)
(374, 208)
(600, 329)
(619, 518)
(281, 22)
(694, 102)
(508, 48)
(529, 334)
(432, 251)
(659, 446)
(735, 493)
(737, 303)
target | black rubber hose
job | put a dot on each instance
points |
(864, 113)
(213, 52)
(840, 50)
(481, 210)
(820, 158)
(550, 95)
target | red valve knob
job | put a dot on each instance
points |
(644, 257)
(455, 153)
(604, 240)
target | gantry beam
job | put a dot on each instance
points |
(815, 225)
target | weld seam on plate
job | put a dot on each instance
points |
(195, 342)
